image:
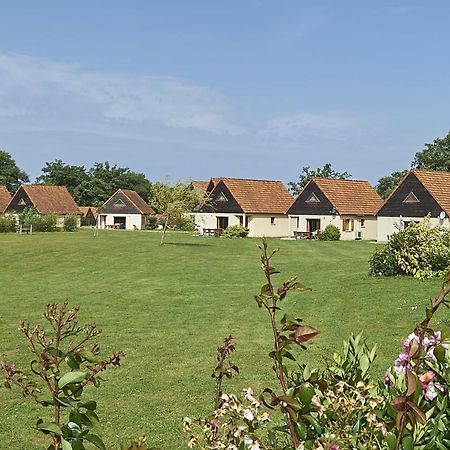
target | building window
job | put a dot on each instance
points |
(348, 225)
(221, 198)
(119, 203)
(411, 198)
(21, 202)
(363, 223)
(313, 198)
(272, 221)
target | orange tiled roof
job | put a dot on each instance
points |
(200, 185)
(85, 210)
(350, 196)
(437, 184)
(51, 199)
(259, 196)
(5, 198)
(138, 201)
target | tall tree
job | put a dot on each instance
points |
(11, 175)
(58, 173)
(387, 184)
(321, 172)
(173, 202)
(435, 156)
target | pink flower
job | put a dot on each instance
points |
(335, 447)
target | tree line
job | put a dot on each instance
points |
(94, 185)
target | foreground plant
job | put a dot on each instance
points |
(65, 360)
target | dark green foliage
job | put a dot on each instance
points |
(11, 175)
(321, 172)
(382, 263)
(46, 223)
(330, 233)
(435, 156)
(387, 184)
(70, 223)
(235, 231)
(7, 224)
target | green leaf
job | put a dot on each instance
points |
(306, 393)
(45, 399)
(71, 377)
(408, 442)
(94, 439)
(90, 405)
(65, 445)
(50, 427)
(391, 440)
(88, 356)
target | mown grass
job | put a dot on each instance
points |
(169, 308)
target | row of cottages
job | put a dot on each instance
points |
(420, 193)
(267, 208)
(259, 205)
(350, 205)
(5, 198)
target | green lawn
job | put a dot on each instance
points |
(169, 307)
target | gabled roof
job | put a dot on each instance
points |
(85, 209)
(257, 196)
(142, 206)
(437, 184)
(352, 197)
(50, 199)
(5, 198)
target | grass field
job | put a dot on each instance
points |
(169, 307)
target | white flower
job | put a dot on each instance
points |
(255, 446)
(248, 414)
(248, 440)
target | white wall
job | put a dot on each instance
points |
(368, 231)
(132, 220)
(260, 225)
(387, 226)
(209, 220)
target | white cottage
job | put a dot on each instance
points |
(420, 193)
(125, 209)
(350, 205)
(259, 205)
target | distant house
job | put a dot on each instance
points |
(45, 200)
(260, 205)
(420, 193)
(89, 215)
(5, 198)
(125, 209)
(348, 204)
(200, 186)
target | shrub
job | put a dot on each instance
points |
(185, 224)
(70, 223)
(152, 222)
(420, 250)
(7, 224)
(235, 231)
(330, 233)
(46, 223)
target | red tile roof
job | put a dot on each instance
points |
(138, 201)
(5, 198)
(51, 199)
(258, 196)
(85, 209)
(201, 186)
(437, 184)
(352, 197)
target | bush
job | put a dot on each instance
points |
(7, 224)
(185, 224)
(152, 222)
(331, 233)
(45, 223)
(420, 250)
(235, 231)
(70, 223)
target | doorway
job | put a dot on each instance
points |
(312, 225)
(120, 222)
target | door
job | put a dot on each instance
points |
(120, 222)
(312, 225)
(222, 222)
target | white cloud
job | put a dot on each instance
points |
(307, 126)
(65, 94)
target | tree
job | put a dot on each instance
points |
(387, 184)
(435, 156)
(173, 202)
(11, 175)
(321, 172)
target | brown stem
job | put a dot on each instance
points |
(164, 230)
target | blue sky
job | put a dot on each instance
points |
(245, 88)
